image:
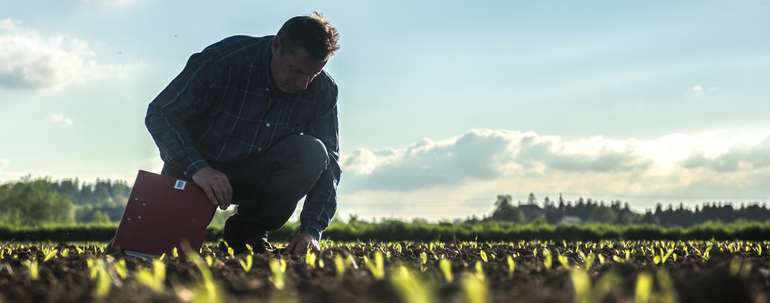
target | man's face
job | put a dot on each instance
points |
(293, 70)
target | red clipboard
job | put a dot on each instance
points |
(162, 212)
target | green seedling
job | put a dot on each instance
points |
(446, 270)
(247, 262)
(511, 263)
(377, 268)
(475, 289)
(152, 279)
(409, 286)
(277, 270)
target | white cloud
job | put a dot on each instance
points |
(110, 2)
(7, 24)
(30, 61)
(734, 158)
(475, 155)
(60, 119)
(696, 88)
(3, 163)
(460, 176)
(484, 154)
(699, 89)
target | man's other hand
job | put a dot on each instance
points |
(216, 185)
(300, 243)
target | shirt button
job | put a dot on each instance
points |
(267, 124)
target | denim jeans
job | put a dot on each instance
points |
(268, 185)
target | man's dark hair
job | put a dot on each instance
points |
(312, 33)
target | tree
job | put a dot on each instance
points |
(505, 211)
(100, 217)
(531, 199)
(602, 215)
(31, 203)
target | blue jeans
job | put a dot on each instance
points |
(268, 185)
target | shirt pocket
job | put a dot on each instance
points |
(248, 106)
(224, 143)
(301, 117)
(225, 123)
(239, 131)
(225, 128)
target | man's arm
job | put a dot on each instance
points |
(321, 202)
(182, 99)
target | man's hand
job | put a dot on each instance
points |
(300, 243)
(216, 186)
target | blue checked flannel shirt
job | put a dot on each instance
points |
(224, 106)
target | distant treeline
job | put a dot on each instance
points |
(617, 212)
(41, 201)
(396, 230)
(33, 202)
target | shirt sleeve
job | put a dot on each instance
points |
(184, 98)
(321, 202)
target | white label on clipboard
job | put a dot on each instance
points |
(180, 184)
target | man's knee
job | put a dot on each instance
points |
(308, 151)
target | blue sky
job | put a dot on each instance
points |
(443, 104)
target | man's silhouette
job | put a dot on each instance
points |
(253, 121)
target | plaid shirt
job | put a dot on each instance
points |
(224, 106)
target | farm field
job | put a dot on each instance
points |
(514, 271)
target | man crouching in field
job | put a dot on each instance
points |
(253, 122)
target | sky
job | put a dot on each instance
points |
(443, 104)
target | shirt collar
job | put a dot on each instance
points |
(267, 57)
